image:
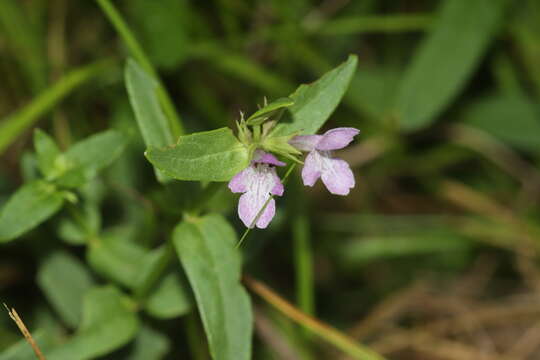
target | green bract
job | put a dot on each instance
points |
(215, 155)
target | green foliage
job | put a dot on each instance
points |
(85, 159)
(47, 152)
(108, 322)
(169, 299)
(206, 249)
(314, 103)
(130, 268)
(512, 119)
(64, 280)
(32, 204)
(206, 156)
(443, 63)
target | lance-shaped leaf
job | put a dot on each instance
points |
(32, 204)
(206, 248)
(446, 59)
(153, 124)
(314, 103)
(205, 156)
(108, 323)
(274, 108)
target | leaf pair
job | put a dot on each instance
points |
(38, 200)
(218, 155)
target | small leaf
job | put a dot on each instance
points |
(116, 260)
(47, 152)
(153, 124)
(206, 248)
(149, 345)
(205, 156)
(86, 158)
(446, 59)
(64, 280)
(264, 113)
(108, 323)
(513, 119)
(314, 103)
(170, 298)
(31, 204)
(21, 350)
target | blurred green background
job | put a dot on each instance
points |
(434, 253)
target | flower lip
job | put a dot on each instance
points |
(333, 139)
(337, 138)
(266, 158)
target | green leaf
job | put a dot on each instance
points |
(164, 34)
(205, 156)
(149, 345)
(109, 322)
(47, 152)
(21, 350)
(206, 248)
(446, 59)
(170, 298)
(264, 113)
(64, 280)
(86, 158)
(31, 204)
(314, 103)
(512, 119)
(152, 122)
(116, 260)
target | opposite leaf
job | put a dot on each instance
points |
(205, 156)
(314, 103)
(206, 248)
(31, 204)
(86, 158)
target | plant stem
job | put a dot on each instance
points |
(138, 53)
(15, 124)
(328, 333)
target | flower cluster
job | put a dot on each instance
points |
(259, 181)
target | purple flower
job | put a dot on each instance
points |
(335, 173)
(257, 182)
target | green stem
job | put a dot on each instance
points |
(138, 53)
(15, 124)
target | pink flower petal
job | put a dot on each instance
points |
(337, 176)
(266, 158)
(267, 215)
(312, 168)
(238, 182)
(305, 142)
(249, 206)
(337, 138)
(278, 186)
